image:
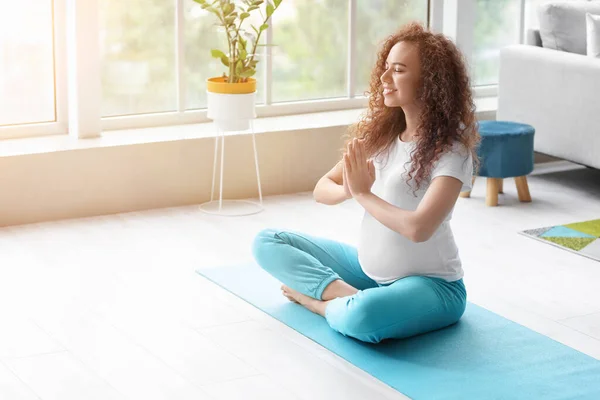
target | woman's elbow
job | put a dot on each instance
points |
(316, 193)
(318, 196)
(420, 234)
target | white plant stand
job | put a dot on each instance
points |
(231, 112)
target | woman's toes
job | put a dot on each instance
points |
(287, 294)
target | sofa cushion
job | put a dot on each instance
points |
(593, 35)
(563, 24)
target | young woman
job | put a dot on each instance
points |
(406, 162)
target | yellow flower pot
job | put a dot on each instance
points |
(231, 105)
(220, 85)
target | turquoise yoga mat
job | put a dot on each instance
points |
(483, 356)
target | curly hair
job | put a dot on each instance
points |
(448, 111)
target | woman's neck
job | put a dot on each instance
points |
(411, 115)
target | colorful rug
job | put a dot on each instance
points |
(580, 237)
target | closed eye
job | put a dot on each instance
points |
(396, 68)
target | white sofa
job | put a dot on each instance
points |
(558, 93)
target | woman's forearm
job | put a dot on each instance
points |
(328, 192)
(399, 220)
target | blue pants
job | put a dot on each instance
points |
(403, 308)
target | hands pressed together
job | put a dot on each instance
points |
(359, 173)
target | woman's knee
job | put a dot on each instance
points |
(354, 318)
(262, 242)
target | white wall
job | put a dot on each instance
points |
(107, 180)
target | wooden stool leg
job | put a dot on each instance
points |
(523, 189)
(468, 193)
(491, 198)
(501, 185)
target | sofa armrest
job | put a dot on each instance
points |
(556, 92)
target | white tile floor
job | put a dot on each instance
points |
(111, 308)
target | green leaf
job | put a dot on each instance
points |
(270, 10)
(277, 3)
(257, 2)
(228, 9)
(212, 10)
(202, 2)
(239, 65)
(252, 8)
(225, 61)
(217, 53)
(247, 73)
(244, 15)
(243, 53)
(263, 27)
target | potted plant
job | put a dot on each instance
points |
(231, 97)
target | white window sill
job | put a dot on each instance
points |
(48, 144)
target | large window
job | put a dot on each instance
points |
(151, 53)
(137, 44)
(27, 90)
(311, 52)
(155, 55)
(496, 25)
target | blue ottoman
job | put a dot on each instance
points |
(505, 151)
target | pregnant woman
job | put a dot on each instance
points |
(405, 163)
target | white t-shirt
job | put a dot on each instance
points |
(386, 255)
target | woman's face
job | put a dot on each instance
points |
(402, 75)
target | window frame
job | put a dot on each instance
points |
(59, 124)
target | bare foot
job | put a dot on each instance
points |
(286, 291)
(314, 305)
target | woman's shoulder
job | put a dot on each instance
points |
(457, 149)
(454, 156)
